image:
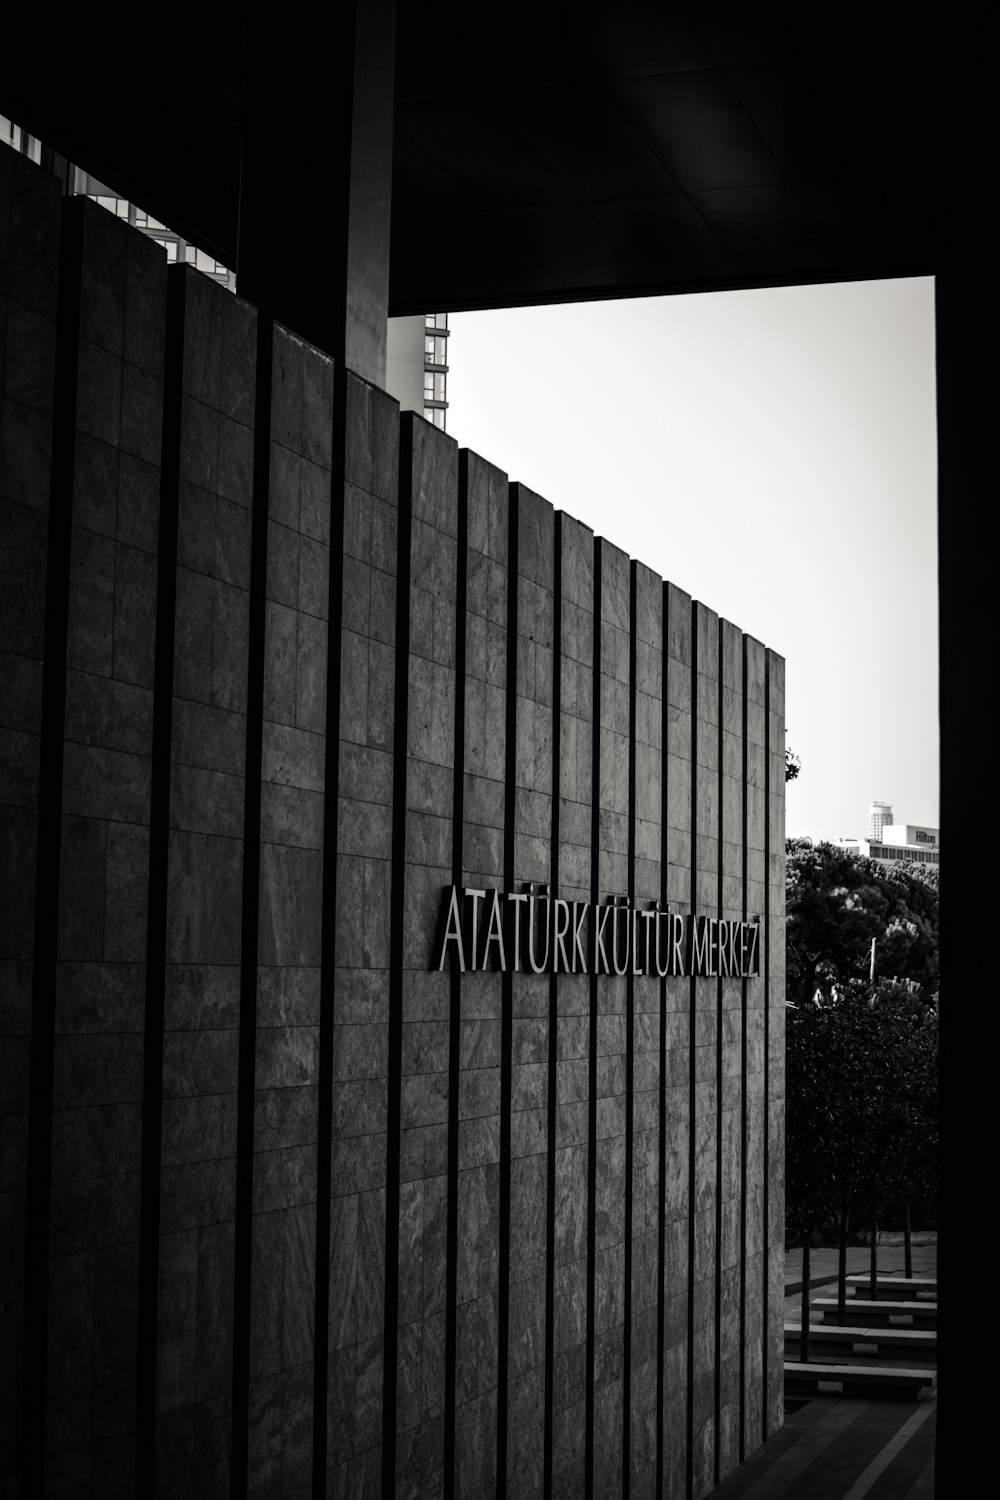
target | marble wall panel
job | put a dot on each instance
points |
(572, 1145)
(486, 500)
(429, 744)
(204, 880)
(29, 242)
(107, 748)
(775, 1057)
(755, 1333)
(677, 687)
(289, 937)
(357, 1251)
(613, 684)
(529, 1024)
(645, 882)
(730, 1071)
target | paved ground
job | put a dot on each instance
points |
(838, 1448)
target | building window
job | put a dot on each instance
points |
(86, 186)
(143, 220)
(15, 136)
(117, 206)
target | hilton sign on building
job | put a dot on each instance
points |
(392, 935)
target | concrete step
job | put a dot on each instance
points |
(922, 1339)
(902, 1288)
(859, 1380)
(920, 1314)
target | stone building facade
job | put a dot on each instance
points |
(287, 1208)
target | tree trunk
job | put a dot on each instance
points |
(842, 1267)
(808, 988)
(804, 1336)
(907, 1247)
(874, 1261)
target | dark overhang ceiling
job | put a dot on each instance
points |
(553, 153)
(570, 151)
(156, 114)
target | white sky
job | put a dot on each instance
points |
(773, 453)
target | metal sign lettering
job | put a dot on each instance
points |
(532, 932)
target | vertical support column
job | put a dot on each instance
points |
(484, 491)
(705, 1003)
(755, 1333)
(344, 310)
(366, 290)
(610, 1182)
(202, 908)
(645, 884)
(965, 574)
(775, 1059)
(359, 987)
(731, 1057)
(572, 1146)
(529, 1017)
(426, 997)
(29, 285)
(678, 678)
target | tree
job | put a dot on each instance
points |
(860, 1113)
(861, 1044)
(812, 1140)
(838, 903)
(792, 764)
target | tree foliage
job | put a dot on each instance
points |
(838, 902)
(860, 1106)
(861, 1052)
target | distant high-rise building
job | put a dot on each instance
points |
(879, 816)
(899, 843)
(77, 182)
(417, 365)
(416, 347)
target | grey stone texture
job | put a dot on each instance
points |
(484, 806)
(289, 940)
(430, 751)
(679, 796)
(106, 759)
(647, 1027)
(29, 209)
(357, 1254)
(204, 879)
